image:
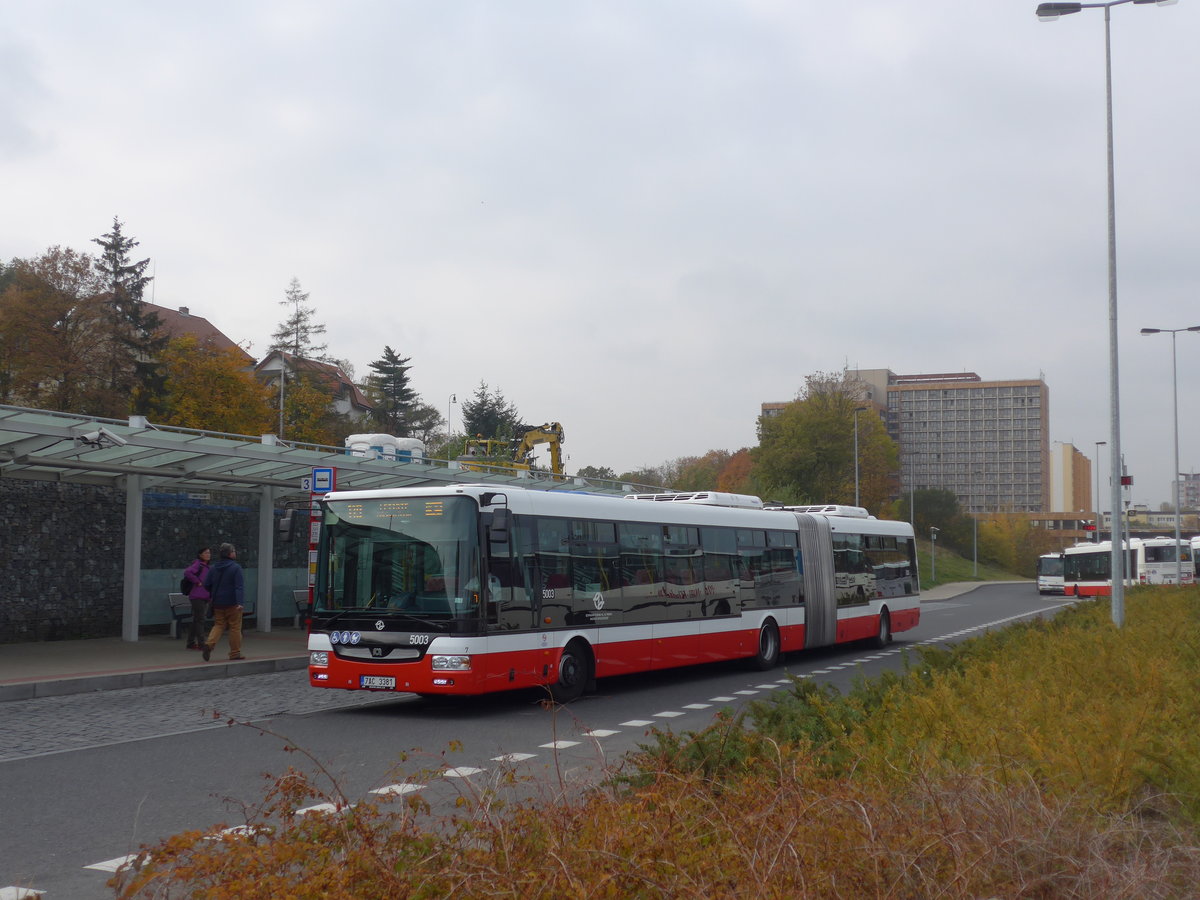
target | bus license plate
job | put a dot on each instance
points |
(377, 681)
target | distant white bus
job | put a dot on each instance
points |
(1050, 573)
(1157, 562)
(1087, 568)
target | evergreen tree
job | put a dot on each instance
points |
(424, 422)
(389, 390)
(597, 472)
(296, 333)
(126, 279)
(133, 368)
(489, 415)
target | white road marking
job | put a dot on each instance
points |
(461, 772)
(698, 706)
(559, 745)
(722, 699)
(601, 732)
(513, 757)
(639, 723)
(669, 714)
(20, 893)
(323, 808)
(241, 831)
(400, 788)
(111, 865)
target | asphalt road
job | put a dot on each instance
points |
(87, 779)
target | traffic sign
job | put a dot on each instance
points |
(322, 480)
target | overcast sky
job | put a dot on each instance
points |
(641, 219)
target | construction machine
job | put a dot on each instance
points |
(483, 453)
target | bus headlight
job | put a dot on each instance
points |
(451, 663)
(318, 658)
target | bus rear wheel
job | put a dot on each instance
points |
(884, 637)
(767, 656)
(572, 674)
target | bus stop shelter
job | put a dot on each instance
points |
(136, 455)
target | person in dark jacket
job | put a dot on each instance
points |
(198, 594)
(228, 591)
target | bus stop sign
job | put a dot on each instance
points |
(322, 480)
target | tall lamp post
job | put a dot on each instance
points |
(453, 399)
(975, 544)
(1099, 444)
(857, 410)
(933, 533)
(1175, 418)
(1048, 12)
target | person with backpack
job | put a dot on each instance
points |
(194, 589)
(227, 589)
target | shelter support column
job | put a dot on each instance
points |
(266, 557)
(131, 602)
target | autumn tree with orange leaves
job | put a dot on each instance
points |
(212, 389)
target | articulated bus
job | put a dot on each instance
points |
(1087, 568)
(1050, 573)
(470, 589)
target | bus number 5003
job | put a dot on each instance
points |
(418, 639)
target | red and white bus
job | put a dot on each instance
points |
(472, 589)
(1087, 568)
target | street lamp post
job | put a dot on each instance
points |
(1099, 444)
(449, 403)
(857, 410)
(933, 533)
(1048, 12)
(1175, 419)
(975, 544)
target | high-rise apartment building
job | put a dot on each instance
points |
(1189, 490)
(987, 441)
(1070, 479)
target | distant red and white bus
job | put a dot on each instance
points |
(471, 589)
(1087, 568)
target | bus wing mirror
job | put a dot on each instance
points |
(500, 525)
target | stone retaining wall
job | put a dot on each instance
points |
(62, 552)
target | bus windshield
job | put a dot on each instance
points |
(414, 557)
(1050, 566)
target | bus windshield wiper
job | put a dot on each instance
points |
(337, 615)
(381, 612)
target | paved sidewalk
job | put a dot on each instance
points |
(55, 668)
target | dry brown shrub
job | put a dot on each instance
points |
(784, 833)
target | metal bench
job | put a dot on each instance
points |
(181, 613)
